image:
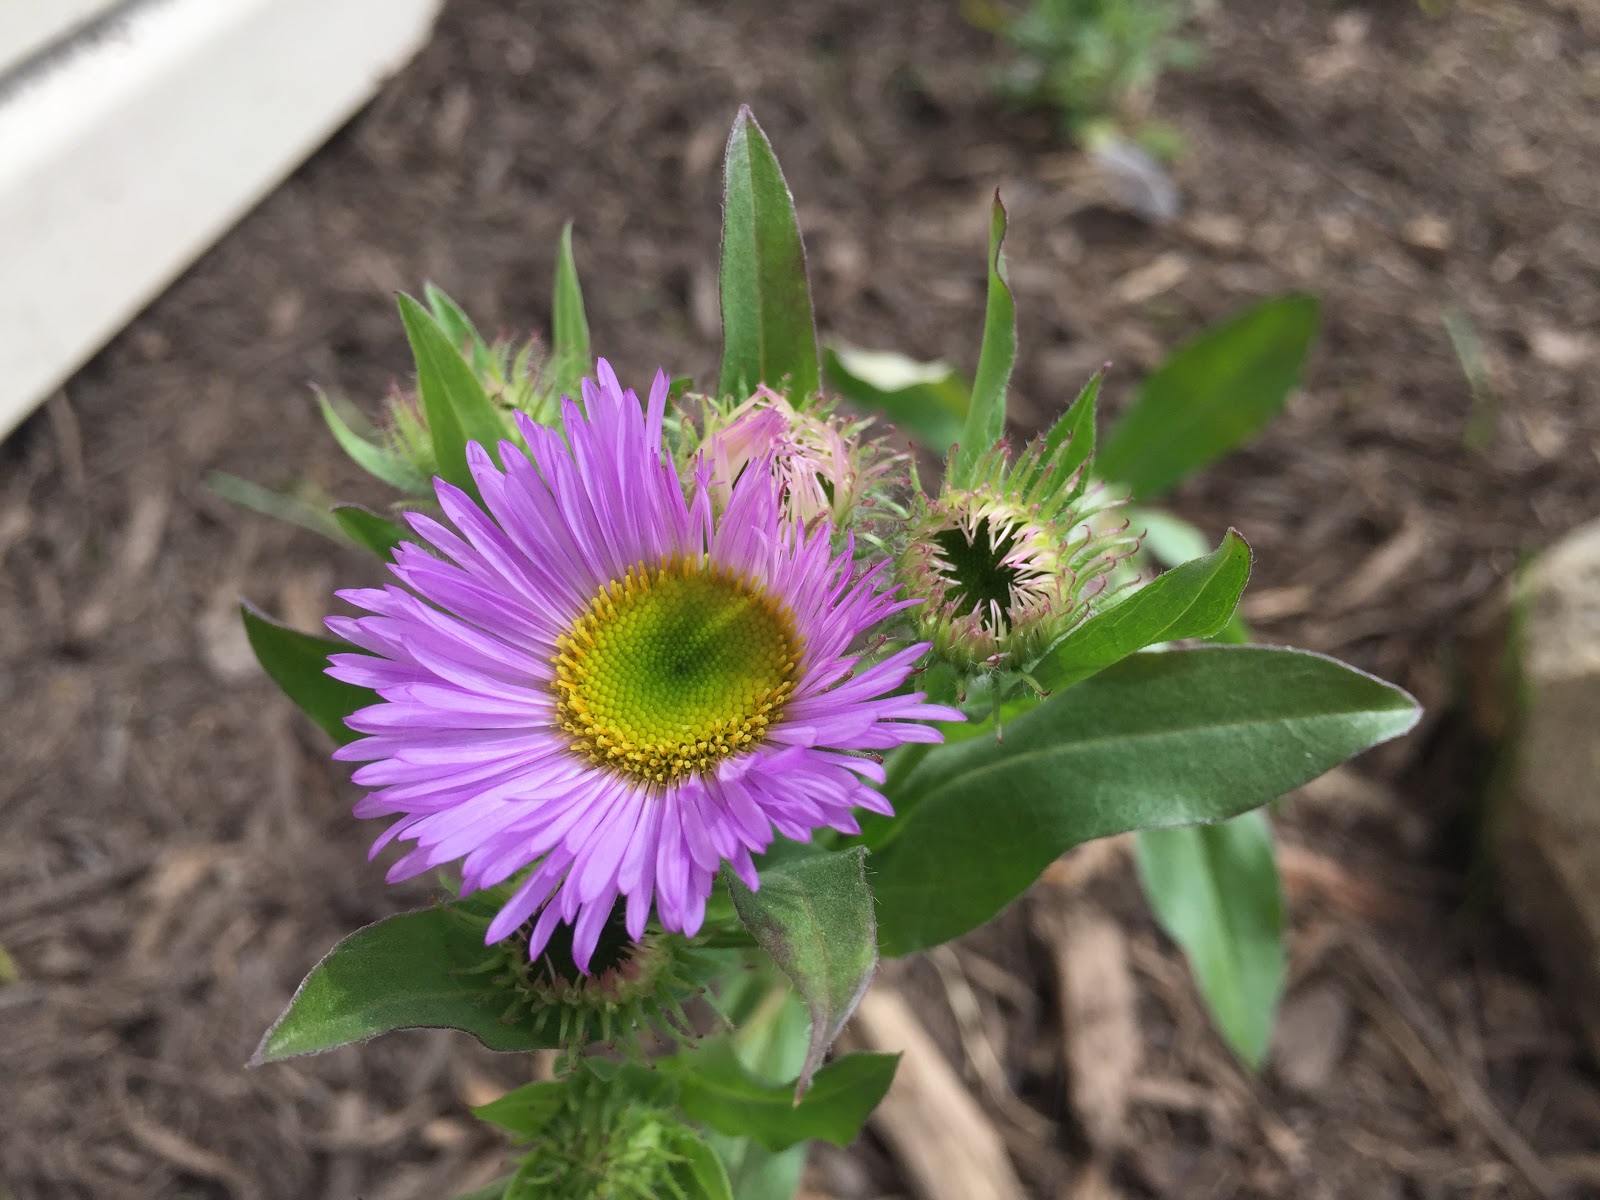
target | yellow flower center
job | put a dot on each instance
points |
(673, 668)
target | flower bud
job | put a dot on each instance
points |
(827, 466)
(1008, 564)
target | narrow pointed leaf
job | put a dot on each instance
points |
(371, 458)
(458, 327)
(1172, 541)
(768, 327)
(282, 506)
(457, 408)
(1214, 888)
(1195, 600)
(986, 414)
(526, 1110)
(1214, 394)
(1172, 738)
(814, 916)
(297, 663)
(367, 528)
(1070, 443)
(926, 400)
(405, 972)
(569, 326)
(717, 1090)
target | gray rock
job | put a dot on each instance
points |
(1548, 823)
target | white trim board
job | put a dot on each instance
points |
(29, 26)
(133, 148)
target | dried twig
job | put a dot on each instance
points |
(1099, 1018)
(943, 1139)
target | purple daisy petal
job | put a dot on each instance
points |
(534, 713)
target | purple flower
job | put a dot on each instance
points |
(596, 679)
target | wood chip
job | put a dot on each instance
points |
(1559, 348)
(1149, 281)
(1099, 1018)
(943, 1139)
(1311, 1036)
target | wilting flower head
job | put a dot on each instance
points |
(596, 680)
(1010, 563)
(824, 466)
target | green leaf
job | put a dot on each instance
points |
(927, 400)
(371, 458)
(717, 1090)
(986, 415)
(367, 528)
(1172, 541)
(490, 1191)
(699, 1173)
(283, 506)
(1212, 395)
(410, 971)
(1214, 888)
(768, 328)
(814, 916)
(1070, 443)
(458, 327)
(1192, 601)
(297, 663)
(1161, 739)
(457, 408)
(525, 1111)
(569, 325)
(772, 1035)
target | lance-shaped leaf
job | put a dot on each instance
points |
(926, 400)
(1214, 888)
(457, 408)
(768, 328)
(283, 506)
(1069, 445)
(1215, 393)
(814, 916)
(411, 971)
(297, 663)
(367, 528)
(569, 327)
(1172, 541)
(1172, 738)
(986, 414)
(717, 1090)
(524, 1111)
(1192, 601)
(372, 458)
(458, 327)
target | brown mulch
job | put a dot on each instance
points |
(178, 848)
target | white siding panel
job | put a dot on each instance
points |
(28, 26)
(133, 153)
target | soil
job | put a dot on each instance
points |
(178, 847)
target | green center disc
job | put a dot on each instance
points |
(672, 669)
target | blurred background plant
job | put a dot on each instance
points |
(1096, 62)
